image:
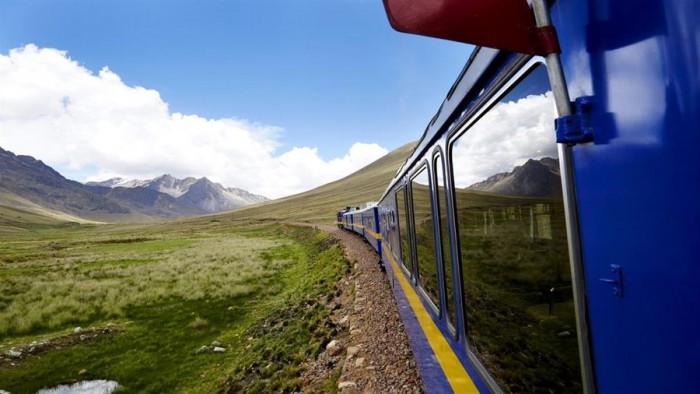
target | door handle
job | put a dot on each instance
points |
(616, 281)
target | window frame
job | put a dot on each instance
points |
(401, 188)
(423, 165)
(438, 159)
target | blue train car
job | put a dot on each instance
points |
(365, 222)
(345, 218)
(340, 219)
(544, 235)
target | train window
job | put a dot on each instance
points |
(403, 229)
(513, 245)
(424, 235)
(393, 235)
(444, 240)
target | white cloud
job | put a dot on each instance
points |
(507, 136)
(60, 112)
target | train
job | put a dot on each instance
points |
(544, 234)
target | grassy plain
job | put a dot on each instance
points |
(239, 277)
(169, 289)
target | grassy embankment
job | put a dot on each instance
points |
(239, 278)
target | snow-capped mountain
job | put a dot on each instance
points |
(202, 193)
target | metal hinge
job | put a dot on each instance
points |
(576, 128)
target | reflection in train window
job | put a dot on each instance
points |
(514, 254)
(424, 235)
(403, 229)
(444, 241)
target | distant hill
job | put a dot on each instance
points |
(200, 195)
(320, 204)
(23, 178)
(33, 192)
(535, 178)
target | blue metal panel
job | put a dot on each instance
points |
(638, 185)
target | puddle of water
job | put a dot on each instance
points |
(84, 387)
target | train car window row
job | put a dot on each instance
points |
(516, 279)
(498, 186)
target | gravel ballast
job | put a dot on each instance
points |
(372, 353)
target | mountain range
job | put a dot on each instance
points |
(29, 184)
(201, 193)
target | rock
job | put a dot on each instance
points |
(333, 348)
(353, 350)
(218, 349)
(82, 371)
(83, 337)
(77, 330)
(203, 349)
(12, 353)
(344, 320)
(360, 362)
(216, 343)
(346, 385)
(564, 334)
(355, 332)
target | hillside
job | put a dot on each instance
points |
(30, 185)
(320, 205)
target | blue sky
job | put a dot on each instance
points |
(314, 74)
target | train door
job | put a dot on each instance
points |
(638, 189)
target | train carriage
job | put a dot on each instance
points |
(365, 222)
(543, 234)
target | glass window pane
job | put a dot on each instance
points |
(445, 241)
(393, 234)
(403, 229)
(514, 253)
(424, 235)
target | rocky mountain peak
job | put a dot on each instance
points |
(538, 178)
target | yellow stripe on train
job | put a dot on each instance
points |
(456, 375)
(373, 234)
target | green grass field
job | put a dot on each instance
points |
(241, 278)
(169, 289)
